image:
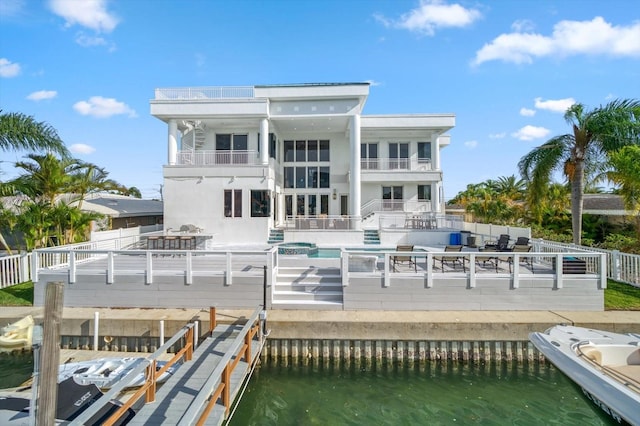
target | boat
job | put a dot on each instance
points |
(17, 336)
(73, 399)
(605, 365)
(106, 372)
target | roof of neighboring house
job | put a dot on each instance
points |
(121, 206)
(604, 204)
(112, 205)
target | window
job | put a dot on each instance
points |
(424, 152)
(260, 203)
(301, 151)
(312, 179)
(398, 155)
(424, 192)
(324, 177)
(288, 177)
(392, 198)
(272, 145)
(312, 150)
(324, 151)
(231, 149)
(288, 151)
(301, 178)
(232, 203)
(369, 156)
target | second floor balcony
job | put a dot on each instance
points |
(395, 164)
(217, 158)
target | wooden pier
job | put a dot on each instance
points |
(203, 389)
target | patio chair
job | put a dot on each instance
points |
(400, 259)
(488, 255)
(502, 244)
(518, 248)
(453, 260)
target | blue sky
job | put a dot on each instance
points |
(507, 69)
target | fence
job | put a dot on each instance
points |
(15, 269)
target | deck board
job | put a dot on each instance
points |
(177, 394)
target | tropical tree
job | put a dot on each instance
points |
(626, 173)
(45, 177)
(89, 178)
(595, 133)
(22, 132)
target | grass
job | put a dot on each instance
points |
(17, 295)
(617, 296)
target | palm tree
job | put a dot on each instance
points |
(596, 132)
(46, 177)
(90, 178)
(22, 132)
(626, 173)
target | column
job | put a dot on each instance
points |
(173, 142)
(354, 183)
(435, 197)
(264, 141)
(435, 154)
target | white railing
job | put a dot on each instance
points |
(219, 158)
(423, 221)
(153, 263)
(473, 264)
(622, 267)
(410, 206)
(14, 269)
(394, 164)
(196, 93)
(321, 223)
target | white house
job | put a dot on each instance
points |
(244, 161)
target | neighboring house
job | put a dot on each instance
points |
(245, 160)
(610, 206)
(121, 211)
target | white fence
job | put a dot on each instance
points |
(14, 269)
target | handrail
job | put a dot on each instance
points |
(218, 383)
(146, 365)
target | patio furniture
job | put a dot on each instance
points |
(453, 260)
(400, 259)
(489, 255)
(501, 244)
(518, 248)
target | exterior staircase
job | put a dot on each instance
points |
(300, 286)
(371, 236)
(276, 236)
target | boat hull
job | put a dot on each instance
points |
(558, 344)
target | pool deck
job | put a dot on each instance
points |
(341, 325)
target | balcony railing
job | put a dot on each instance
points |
(394, 164)
(196, 93)
(380, 205)
(216, 158)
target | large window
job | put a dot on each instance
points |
(231, 149)
(424, 152)
(392, 198)
(232, 203)
(306, 151)
(260, 203)
(424, 192)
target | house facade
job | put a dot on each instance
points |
(243, 161)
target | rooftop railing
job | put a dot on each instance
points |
(200, 93)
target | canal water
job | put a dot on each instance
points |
(431, 393)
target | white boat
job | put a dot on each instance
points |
(605, 365)
(106, 372)
(17, 336)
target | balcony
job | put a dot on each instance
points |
(395, 164)
(217, 158)
(199, 93)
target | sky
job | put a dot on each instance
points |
(507, 69)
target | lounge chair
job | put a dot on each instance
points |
(453, 260)
(501, 245)
(400, 259)
(518, 248)
(488, 255)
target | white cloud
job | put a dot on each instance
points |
(81, 148)
(497, 135)
(11, 7)
(85, 40)
(526, 112)
(522, 25)
(471, 144)
(529, 133)
(595, 37)
(91, 14)
(432, 15)
(555, 105)
(8, 69)
(100, 107)
(42, 95)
